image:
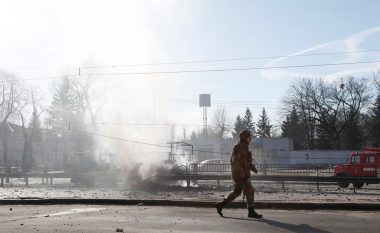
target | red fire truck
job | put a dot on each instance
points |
(365, 163)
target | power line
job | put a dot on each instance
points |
(51, 77)
(41, 68)
(234, 103)
(251, 106)
(244, 101)
(227, 102)
(120, 139)
(244, 106)
(233, 59)
(196, 61)
(213, 70)
(202, 151)
(137, 142)
(233, 69)
(146, 124)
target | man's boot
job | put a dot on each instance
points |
(252, 213)
(219, 207)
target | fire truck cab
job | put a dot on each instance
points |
(365, 163)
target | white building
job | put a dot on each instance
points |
(272, 150)
(319, 156)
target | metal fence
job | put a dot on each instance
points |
(266, 169)
(17, 168)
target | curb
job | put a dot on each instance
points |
(199, 204)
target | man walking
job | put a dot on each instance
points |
(241, 167)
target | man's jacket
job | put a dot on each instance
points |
(241, 162)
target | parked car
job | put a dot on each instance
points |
(213, 167)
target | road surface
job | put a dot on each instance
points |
(87, 218)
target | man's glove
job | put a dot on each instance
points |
(254, 169)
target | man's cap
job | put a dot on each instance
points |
(244, 134)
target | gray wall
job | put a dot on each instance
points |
(319, 156)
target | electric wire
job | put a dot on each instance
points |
(194, 150)
(213, 70)
(196, 61)
(148, 124)
(234, 59)
(233, 69)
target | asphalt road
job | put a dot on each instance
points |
(84, 218)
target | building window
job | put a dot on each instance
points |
(355, 159)
(370, 159)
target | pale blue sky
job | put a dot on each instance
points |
(66, 34)
(233, 29)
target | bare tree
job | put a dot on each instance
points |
(376, 79)
(299, 97)
(89, 99)
(28, 109)
(9, 104)
(349, 97)
(22, 113)
(74, 104)
(221, 122)
(328, 107)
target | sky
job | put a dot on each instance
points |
(108, 40)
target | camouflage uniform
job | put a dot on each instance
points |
(241, 167)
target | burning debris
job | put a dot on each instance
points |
(137, 178)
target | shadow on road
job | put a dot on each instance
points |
(301, 228)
